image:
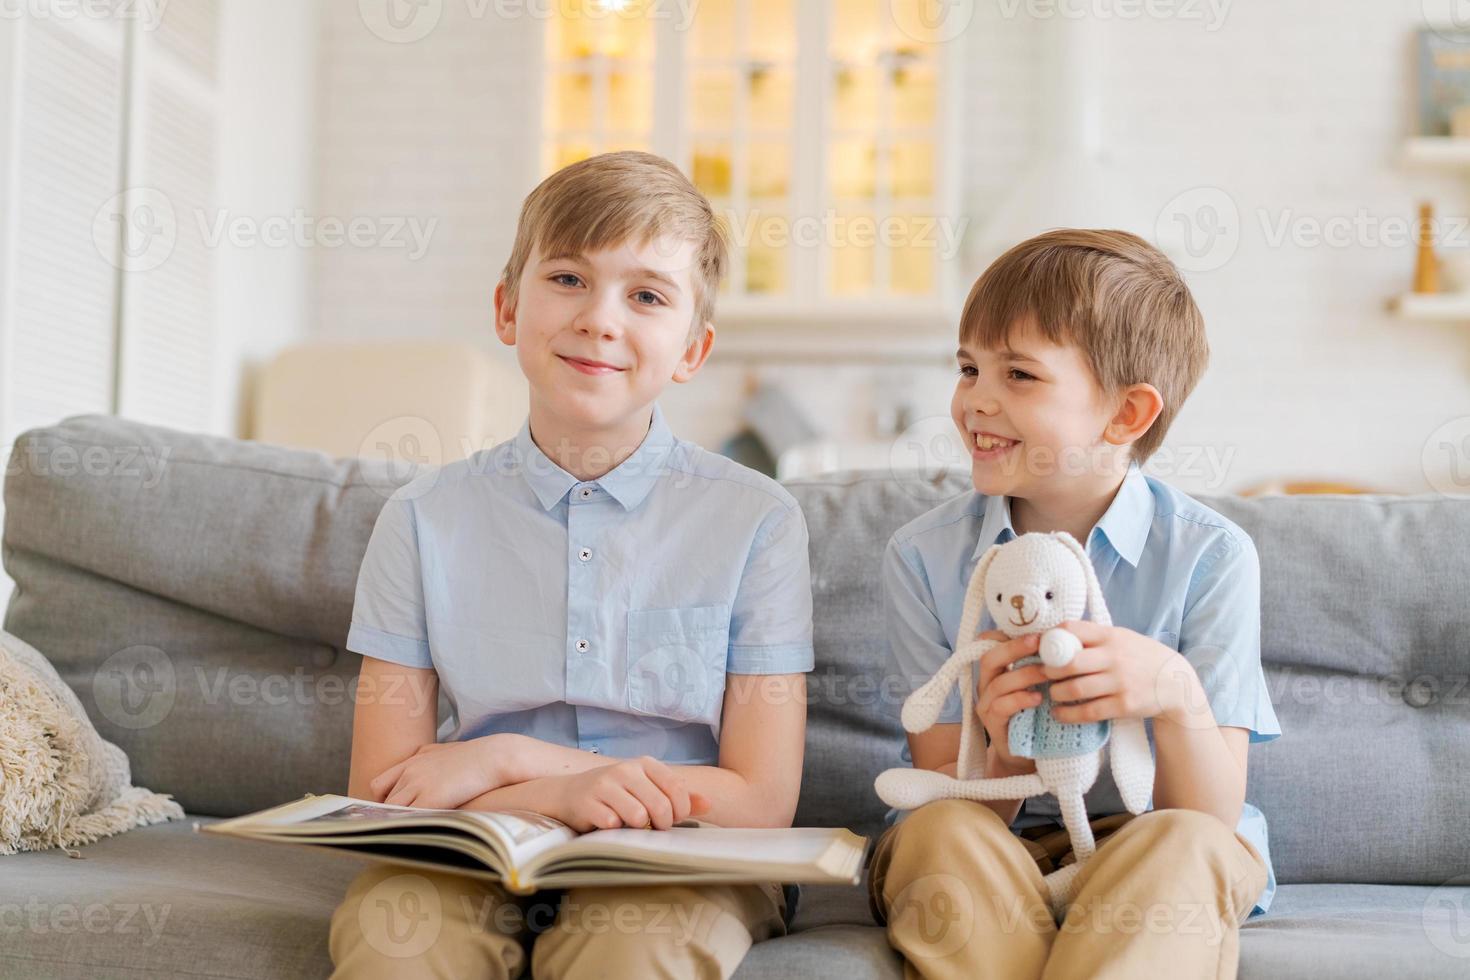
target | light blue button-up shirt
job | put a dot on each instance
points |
(1170, 568)
(602, 615)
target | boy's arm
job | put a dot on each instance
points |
(756, 784)
(1200, 766)
(394, 712)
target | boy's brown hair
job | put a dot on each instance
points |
(612, 198)
(1111, 294)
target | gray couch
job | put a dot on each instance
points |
(195, 592)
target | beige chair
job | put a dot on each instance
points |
(417, 402)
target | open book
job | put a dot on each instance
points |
(526, 851)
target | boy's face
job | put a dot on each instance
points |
(1044, 409)
(600, 335)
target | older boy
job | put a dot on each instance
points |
(620, 620)
(1077, 349)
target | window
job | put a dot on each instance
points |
(818, 128)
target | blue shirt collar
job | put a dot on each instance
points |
(1124, 525)
(628, 483)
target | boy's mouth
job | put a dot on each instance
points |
(988, 446)
(590, 367)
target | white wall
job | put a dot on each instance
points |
(269, 103)
(1293, 108)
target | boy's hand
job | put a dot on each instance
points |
(1123, 674)
(637, 793)
(1001, 693)
(442, 775)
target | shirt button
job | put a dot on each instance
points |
(583, 646)
(585, 554)
(593, 750)
(585, 492)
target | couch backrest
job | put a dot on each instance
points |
(195, 592)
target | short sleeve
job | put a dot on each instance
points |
(917, 643)
(771, 618)
(388, 609)
(1221, 637)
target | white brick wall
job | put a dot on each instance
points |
(1290, 107)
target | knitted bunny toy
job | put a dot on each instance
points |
(1030, 584)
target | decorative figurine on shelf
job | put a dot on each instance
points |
(1426, 266)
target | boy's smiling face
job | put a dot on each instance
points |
(1031, 413)
(599, 335)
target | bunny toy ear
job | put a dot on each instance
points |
(1095, 604)
(975, 597)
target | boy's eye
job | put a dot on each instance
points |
(1016, 374)
(561, 279)
(967, 370)
(648, 297)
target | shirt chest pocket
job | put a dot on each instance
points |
(676, 661)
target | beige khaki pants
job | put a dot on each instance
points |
(1164, 895)
(400, 922)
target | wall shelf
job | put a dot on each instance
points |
(1438, 151)
(1432, 307)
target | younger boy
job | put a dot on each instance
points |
(620, 620)
(1077, 349)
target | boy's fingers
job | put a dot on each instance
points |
(1089, 661)
(998, 657)
(1009, 681)
(1088, 632)
(673, 787)
(659, 808)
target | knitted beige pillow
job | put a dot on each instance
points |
(61, 783)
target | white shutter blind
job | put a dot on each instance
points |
(168, 316)
(66, 164)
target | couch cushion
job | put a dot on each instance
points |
(195, 592)
(1360, 932)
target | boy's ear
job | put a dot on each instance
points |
(505, 317)
(695, 354)
(1141, 404)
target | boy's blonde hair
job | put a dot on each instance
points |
(1110, 293)
(628, 196)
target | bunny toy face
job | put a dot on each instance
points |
(1034, 583)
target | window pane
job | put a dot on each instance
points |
(770, 169)
(911, 169)
(857, 30)
(564, 154)
(712, 31)
(713, 103)
(767, 253)
(915, 95)
(852, 253)
(857, 98)
(570, 105)
(914, 254)
(770, 99)
(772, 30)
(629, 102)
(853, 167)
(711, 170)
(582, 28)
